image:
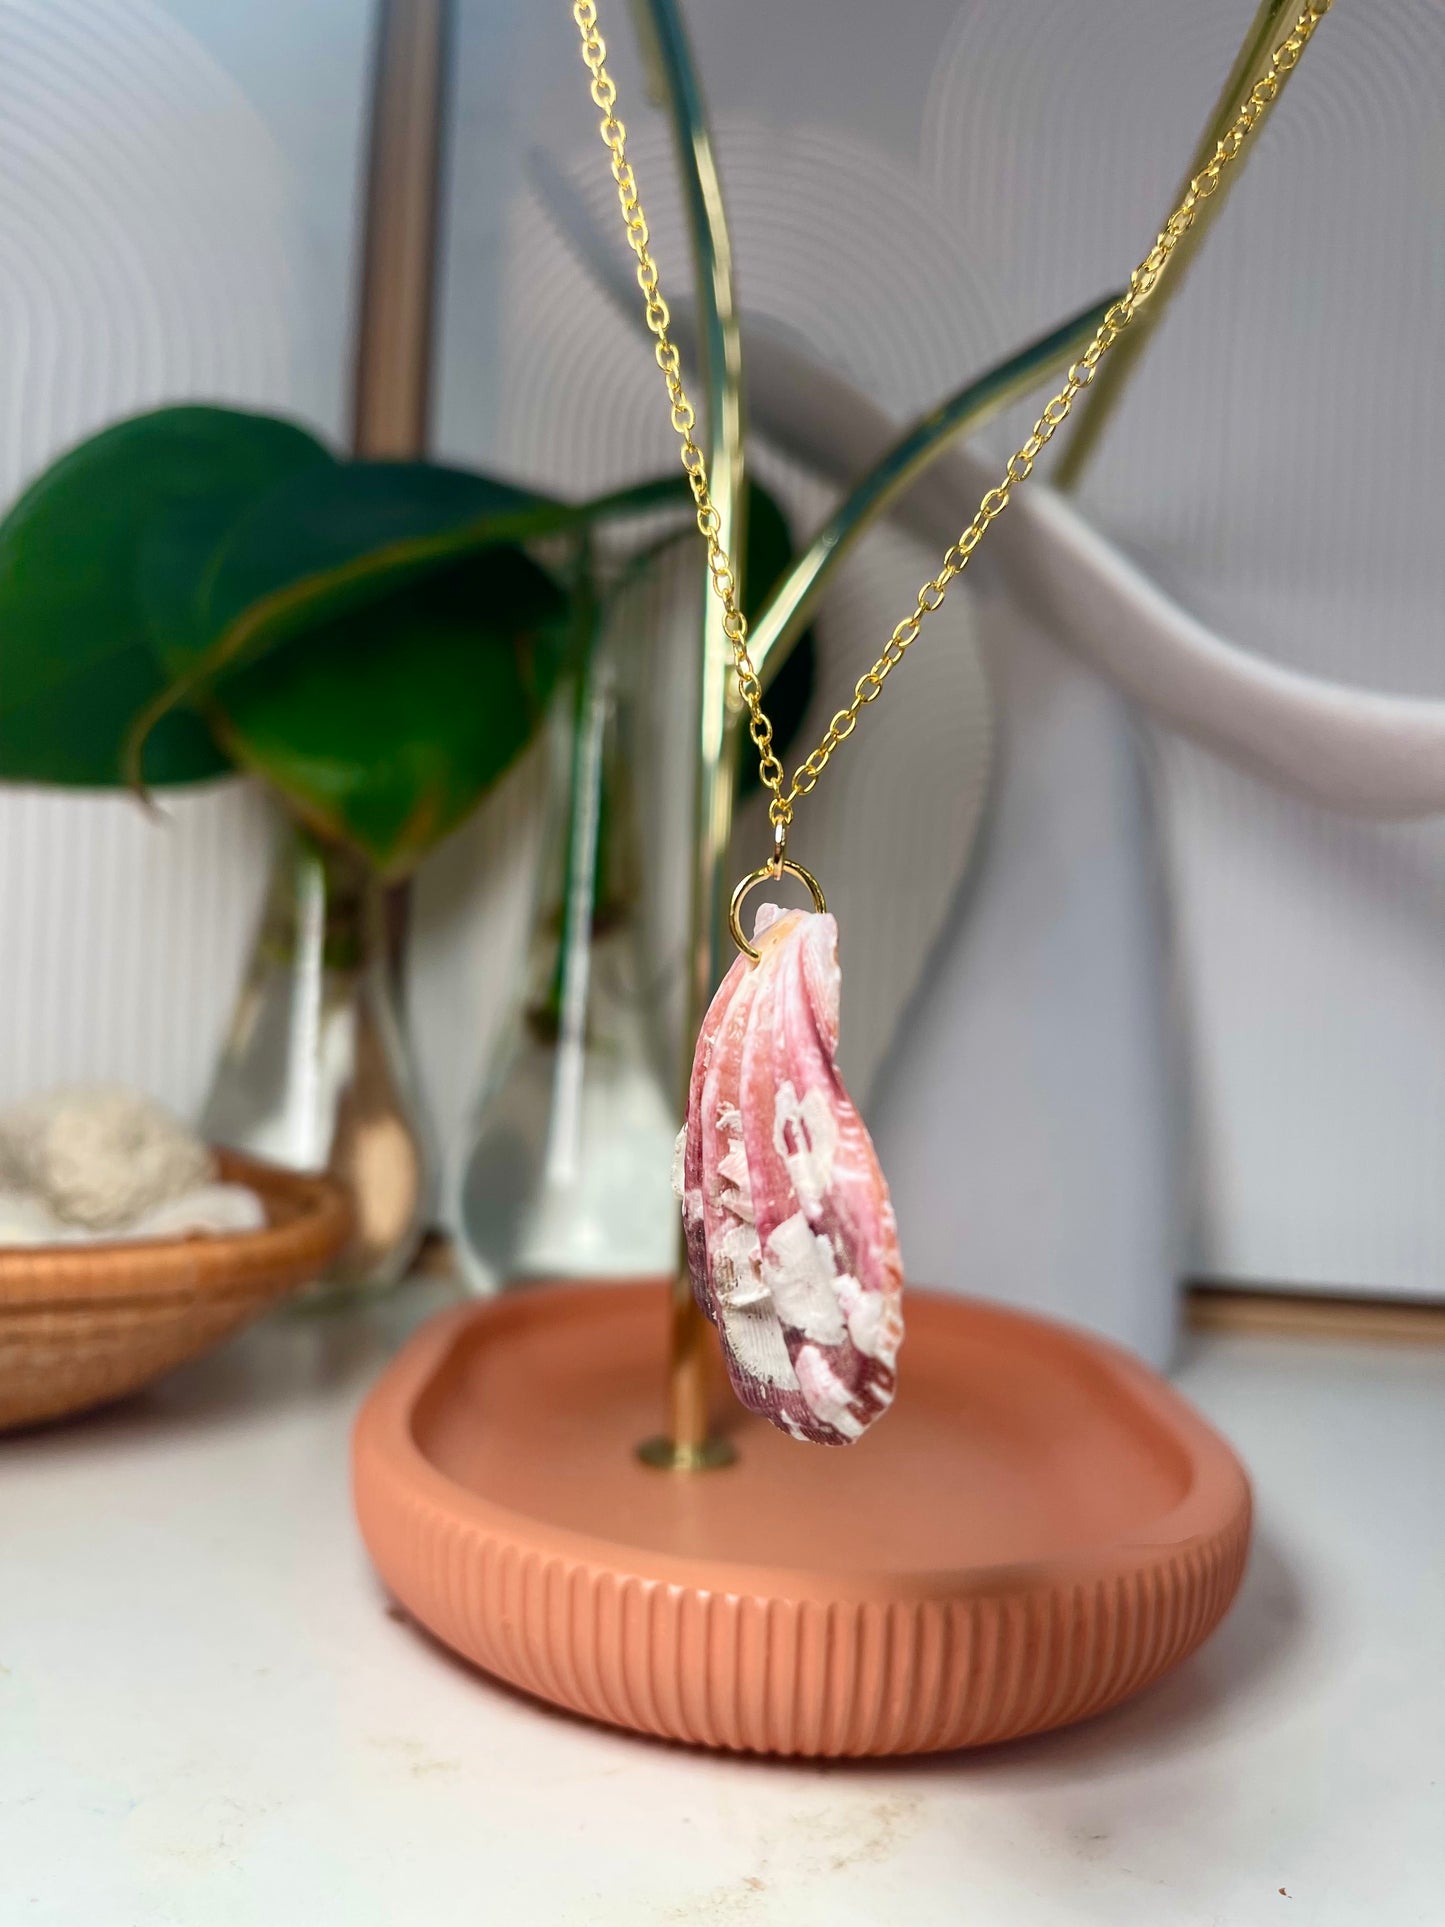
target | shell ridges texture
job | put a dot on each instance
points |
(791, 1237)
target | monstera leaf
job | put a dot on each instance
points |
(76, 660)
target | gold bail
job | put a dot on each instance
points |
(779, 864)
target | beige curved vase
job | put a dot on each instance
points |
(1039, 1528)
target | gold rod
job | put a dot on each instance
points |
(392, 375)
(1100, 403)
(392, 359)
(687, 1446)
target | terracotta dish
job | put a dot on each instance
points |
(1040, 1527)
(81, 1324)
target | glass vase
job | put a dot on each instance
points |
(315, 1073)
(568, 1170)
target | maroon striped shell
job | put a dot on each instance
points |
(791, 1236)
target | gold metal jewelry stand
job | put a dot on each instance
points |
(1097, 408)
(1248, 95)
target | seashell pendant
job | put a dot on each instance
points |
(791, 1237)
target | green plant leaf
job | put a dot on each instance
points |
(75, 657)
(383, 726)
(196, 574)
(767, 558)
(318, 547)
(323, 547)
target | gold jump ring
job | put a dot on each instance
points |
(769, 873)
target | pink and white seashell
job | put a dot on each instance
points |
(791, 1237)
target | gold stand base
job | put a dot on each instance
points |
(665, 1456)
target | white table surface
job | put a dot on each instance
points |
(209, 1715)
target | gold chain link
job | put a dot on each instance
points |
(1019, 467)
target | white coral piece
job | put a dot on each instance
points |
(99, 1157)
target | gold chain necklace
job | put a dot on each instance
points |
(1019, 467)
(791, 1238)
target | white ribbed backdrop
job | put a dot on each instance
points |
(178, 198)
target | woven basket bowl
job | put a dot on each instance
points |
(82, 1324)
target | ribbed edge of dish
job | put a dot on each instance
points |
(804, 1677)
